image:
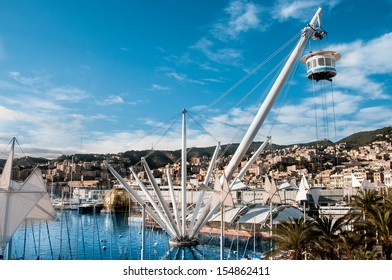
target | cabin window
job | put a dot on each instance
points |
(328, 61)
(321, 61)
(309, 64)
(314, 63)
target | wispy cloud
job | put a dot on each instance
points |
(183, 78)
(35, 81)
(38, 113)
(300, 9)
(156, 87)
(220, 55)
(112, 100)
(240, 16)
(177, 76)
(67, 94)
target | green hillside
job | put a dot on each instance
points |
(364, 138)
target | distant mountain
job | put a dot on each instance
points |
(26, 161)
(161, 158)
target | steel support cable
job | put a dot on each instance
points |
(217, 121)
(315, 110)
(324, 109)
(203, 129)
(173, 119)
(315, 118)
(162, 124)
(327, 114)
(6, 148)
(334, 120)
(211, 211)
(254, 70)
(251, 112)
(160, 138)
(279, 107)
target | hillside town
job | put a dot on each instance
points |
(330, 166)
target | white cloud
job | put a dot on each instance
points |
(379, 115)
(9, 115)
(112, 100)
(67, 94)
(300, 9)
(361, 62)
(88, 117)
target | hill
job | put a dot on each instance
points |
(364, 138)
(162, 157)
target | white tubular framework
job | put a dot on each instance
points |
(160, 198)
(265, 108)
(174, 201)
(136, 196)
(202, 193)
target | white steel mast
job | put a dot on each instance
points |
(272, 95)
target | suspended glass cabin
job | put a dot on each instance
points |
(320, 65)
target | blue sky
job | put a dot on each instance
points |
(110, 76)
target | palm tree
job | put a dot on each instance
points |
(374, 225)
(366, 201)
(328, 245)
(295, 236)
(361, 254)
(380, 219)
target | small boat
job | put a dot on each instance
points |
(90, 207)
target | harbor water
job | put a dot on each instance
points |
(116, 236)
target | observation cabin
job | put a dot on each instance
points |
(320, 65)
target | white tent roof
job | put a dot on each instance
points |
(229, 215)
(18, 202)
(255, 214)
(260, 214)
(284, 213)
